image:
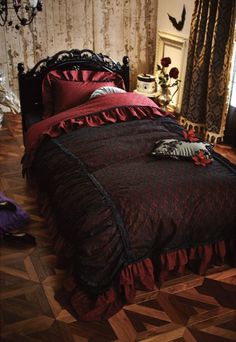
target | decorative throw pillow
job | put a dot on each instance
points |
(172, 148)
(12, 216)
(106, 90)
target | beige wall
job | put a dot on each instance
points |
(174, 8)
(172, 42)
(113, 27)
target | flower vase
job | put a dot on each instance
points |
(164, 98)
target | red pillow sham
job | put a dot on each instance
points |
(53, 103)
(68, 94)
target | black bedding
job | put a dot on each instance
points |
(121, 218)
(115, 204)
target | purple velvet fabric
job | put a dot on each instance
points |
(9, 219)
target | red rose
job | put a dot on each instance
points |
(174, 73)
(200, 159)
(165, 61)
(190, 135)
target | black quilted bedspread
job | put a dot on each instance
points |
(114, 203)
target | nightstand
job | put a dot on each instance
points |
(154, 97)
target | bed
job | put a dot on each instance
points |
(125, 201)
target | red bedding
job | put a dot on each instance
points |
(95, 112)
(121, 218)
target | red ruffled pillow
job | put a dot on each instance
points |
(71, 88)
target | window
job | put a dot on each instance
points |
(233, 78)
(233, 86)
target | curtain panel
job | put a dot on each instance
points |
(205, 96)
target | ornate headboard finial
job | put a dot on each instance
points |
(79, 58)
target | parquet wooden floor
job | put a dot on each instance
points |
(188, 308)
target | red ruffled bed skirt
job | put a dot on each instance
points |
(142, 275)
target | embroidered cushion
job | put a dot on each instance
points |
(173, 148)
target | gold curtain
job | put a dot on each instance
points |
(205, 95)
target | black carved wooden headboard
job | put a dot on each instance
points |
(30, 81)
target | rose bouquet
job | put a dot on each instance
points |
(167, 80)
